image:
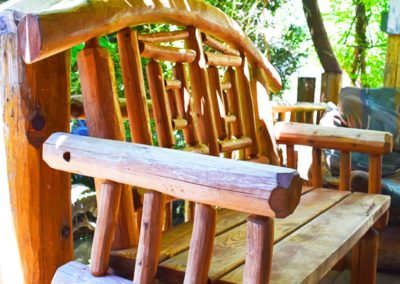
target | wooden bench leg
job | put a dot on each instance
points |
(260, 241)
(110, 196)
(149, 239)
(201, 244)
(365, 258)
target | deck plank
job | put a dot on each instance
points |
(230, 247)
(357, 213)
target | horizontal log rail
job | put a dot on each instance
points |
(230, 118)
(226, 86)
(166, 53)
(232, 145)
(164, 36)
(179, 123)
(172, 84)
(215, 59)
(344, 139)
(278, 107)
(271, 191)
(219, 46)
(40, 38)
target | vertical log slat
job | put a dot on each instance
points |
(135, 93)
(161, 109)
(201, 244)
(345, 171)
(375, 174)
(104, 120)
(199, 83)
(316, 168)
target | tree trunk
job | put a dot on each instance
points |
(320, 38)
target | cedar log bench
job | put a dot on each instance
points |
(205, 78)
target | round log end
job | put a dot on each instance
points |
(285, 198)
(29, 39)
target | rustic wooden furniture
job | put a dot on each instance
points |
(231, 116)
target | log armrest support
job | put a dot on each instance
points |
(343, 139)
(347, 140)
(253, 188)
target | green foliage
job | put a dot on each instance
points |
(286, 53)
(342, 16)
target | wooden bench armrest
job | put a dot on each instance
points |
(344, 139)
(278, 107)
(247, 187)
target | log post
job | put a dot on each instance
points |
(365, 259)
(35, 204)
(375, 174)
(316, 168)
(104, 120)
(260, 241)
(305, 93)
(331, 84)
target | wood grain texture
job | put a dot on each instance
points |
(201, 94)
(230, 247)
(39, 37)
(260, 240)
(234, 106)
(357, 213)
(174, 241)
(237, 144)
(164, 36)
(331, 83)
(216, 59)
(345, 139)
(77, 273)
(184, 105)
(166, 53)
(345, 171)
(34, 199)
(217, 103)
(270, 189)
(201, 244)
(149, 240)
(316, 168)
(103, 119)
(134, 87)
(281, 106)
(107, 219)
(161, 109)
(375, 174)
(365, 258)
(218, 46)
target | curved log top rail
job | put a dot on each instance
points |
(55, 27)
(271, 191)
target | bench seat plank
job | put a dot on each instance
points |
(177, 240)
(174, 241)
(230, 247)
(320, 244)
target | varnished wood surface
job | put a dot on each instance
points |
(230, 247)
(322, 250)
(346, 139)
(33, 245)
(40, 38)
(272, 191)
